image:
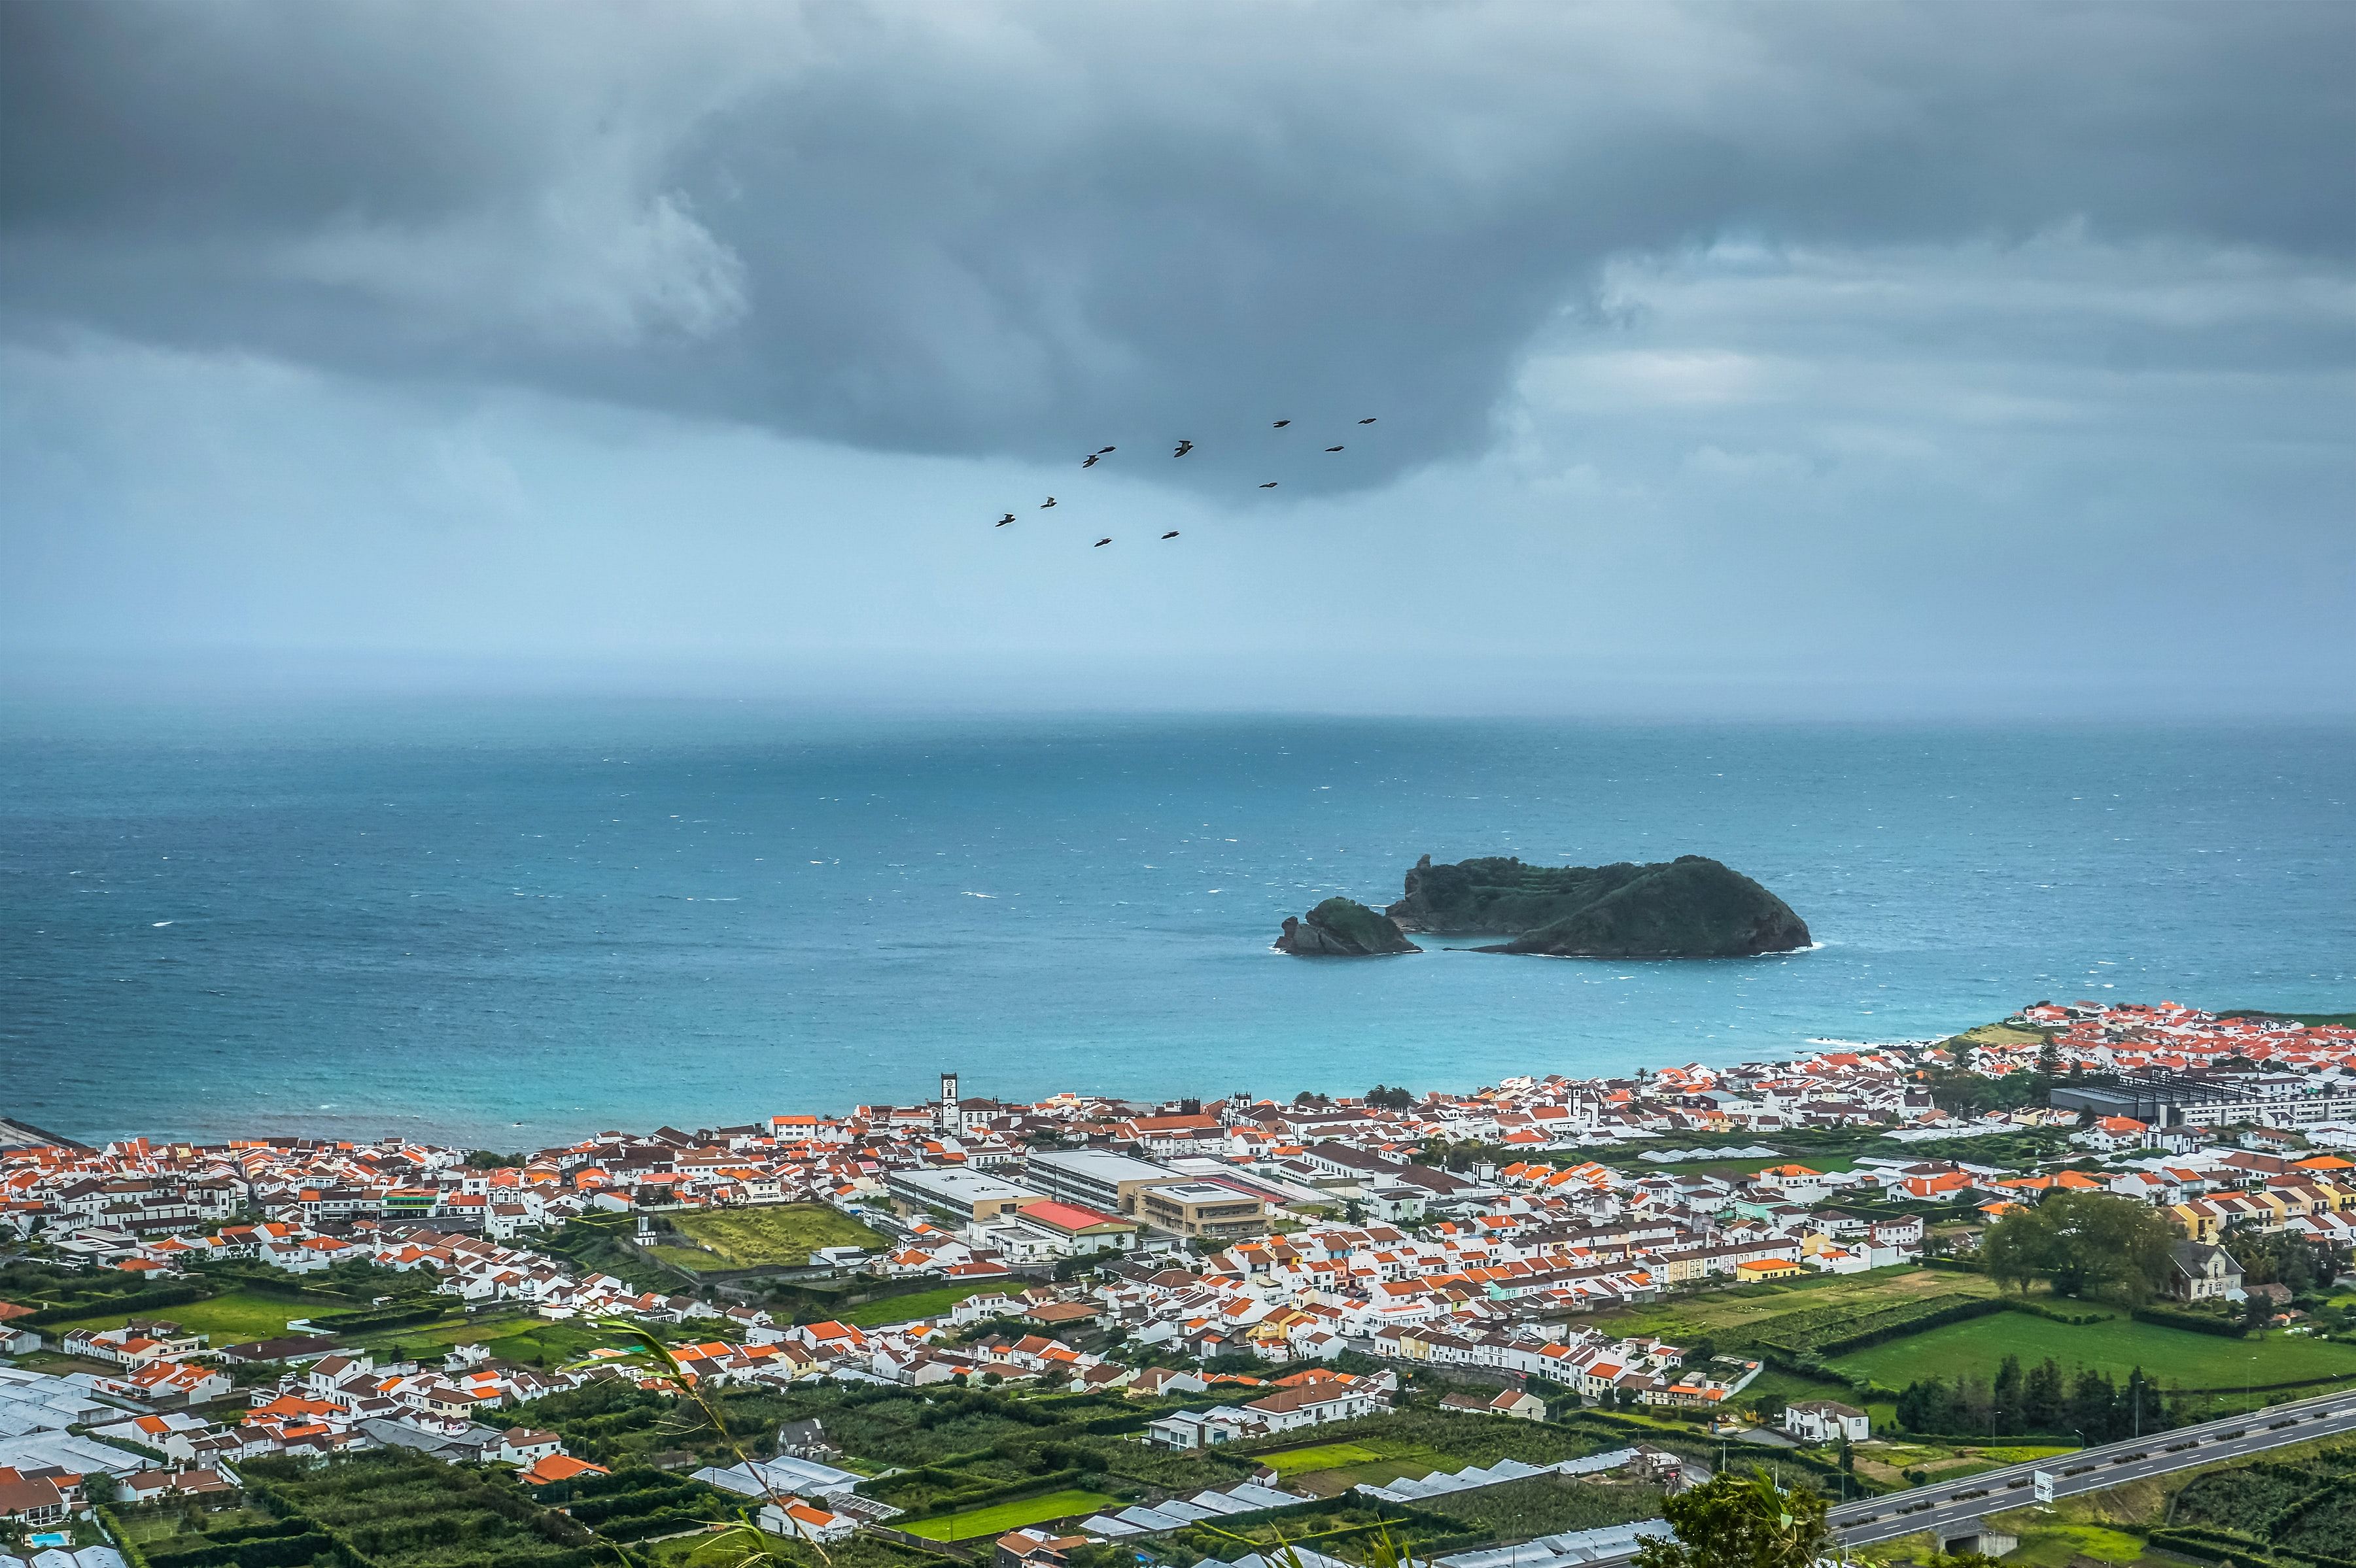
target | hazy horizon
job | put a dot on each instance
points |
(1816, 360)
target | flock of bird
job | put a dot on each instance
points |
(1183, 448)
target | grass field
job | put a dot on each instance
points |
(1002, 1517)
(1716, 1313)
(1329, 1469)
(516, 1338)
(772, 1236)
(230, 1319)
(240, 1316)
(919, 1304)
(1323, 1456)
(155, 1526)
(2048, 1543)
(2175, 1357)
(1772, 1386)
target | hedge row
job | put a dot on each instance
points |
(293, 1525)
(371, 1317)
(2208, 1545)
(631, 1478)
(128, 1301)
(595, 1511)
(2232, 1546)
(2198, 1322)
(111, 1523)
(271, 1552)
(1961, 1312)
(670, 1521)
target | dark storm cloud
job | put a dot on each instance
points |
(1022, 229)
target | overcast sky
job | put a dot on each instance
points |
(1753, 357)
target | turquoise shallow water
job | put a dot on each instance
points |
(503, 924)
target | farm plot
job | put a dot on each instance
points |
(1000, 1517)
(770, 1236)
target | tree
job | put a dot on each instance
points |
(2083, 1244)
(2049, 1064)
(2042, 1395)
(2282, 1258)
(1737, 1522)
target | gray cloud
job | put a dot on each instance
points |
(1025, 229)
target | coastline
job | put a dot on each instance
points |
(1877, 1060)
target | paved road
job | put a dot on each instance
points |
(1895, 1514)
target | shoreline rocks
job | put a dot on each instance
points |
(1343, 928)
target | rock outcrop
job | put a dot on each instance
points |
(1692, 907)
(1343, 928)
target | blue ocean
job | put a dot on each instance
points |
(506, 923)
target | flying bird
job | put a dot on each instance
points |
(1184, 448)
(1047, 503)
(1003, 521)
(1367, 420)
(1279, 424)
(1102, 542)
(1269, 485)
(1170, 535)
(1333, 449)
(1102, 450)
(1091, 460)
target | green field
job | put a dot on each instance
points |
(2175, 1357)
(1727, 1315)
(515, 1337)
(231, 1318)
(919, 1304)
(1775, 1387)
(170, 1528)
(1002, 1517)
(238, 1317)
(1322, 1456)
(772, 1236)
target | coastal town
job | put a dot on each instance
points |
(1396, 1309)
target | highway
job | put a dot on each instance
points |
(1941, 1504)
(1895, 1514)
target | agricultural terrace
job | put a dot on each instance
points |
(771, 1236)
(1548, 1504)
(2171, 1357)
(737, 1547)
(396, 1509)
(1376, 1450)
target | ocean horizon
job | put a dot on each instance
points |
(504, 923)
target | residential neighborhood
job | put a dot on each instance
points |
(1240, 1273)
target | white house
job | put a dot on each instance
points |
(1826, 1421)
